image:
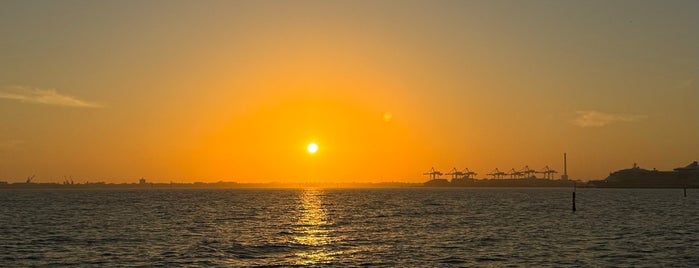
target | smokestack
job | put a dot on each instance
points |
(565, 167)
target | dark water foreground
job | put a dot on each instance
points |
(349, 227)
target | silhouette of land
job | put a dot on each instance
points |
(525, 182)
(635, 177)
(197, 185)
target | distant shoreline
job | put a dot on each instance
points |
(202, 185)
(235, 185)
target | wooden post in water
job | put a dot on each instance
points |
(685, 191)
(574, 197)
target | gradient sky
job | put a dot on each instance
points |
(235, 90)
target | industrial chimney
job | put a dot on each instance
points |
(565, 168)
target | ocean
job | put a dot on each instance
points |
(399, 227)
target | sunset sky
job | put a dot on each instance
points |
(236, 90)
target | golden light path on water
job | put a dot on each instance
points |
(312, 229)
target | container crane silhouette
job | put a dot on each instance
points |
(528, 172)
(469, 174)
(514, 174)
(497, 174)
(434, 174)
(455, 174)
(548, 172)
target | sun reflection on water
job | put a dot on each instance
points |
(312, 229)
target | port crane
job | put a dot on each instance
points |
(514, 174)
(434, 174)
(497, 174)
(469, 174)
(548, 172)
(455, 174)
(525, 173)
(528, 172)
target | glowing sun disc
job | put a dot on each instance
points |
(312, 148)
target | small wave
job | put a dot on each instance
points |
(261, 251)
(490, 259)
(452, 260)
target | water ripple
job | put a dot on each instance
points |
(348, 227)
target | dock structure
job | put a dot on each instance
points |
(469, 174)
(456, 174)
(461, 174)
(497, 174)
(524, 173)
(434, 174)
(527, 172)
(547, 173)
(514, 174)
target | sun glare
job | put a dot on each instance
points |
(312, 148)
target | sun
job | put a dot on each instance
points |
(312, 148)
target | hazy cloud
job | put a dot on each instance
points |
(600, 119)
(43, 96)
(685, 83)
(10, 144)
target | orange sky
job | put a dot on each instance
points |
(235, 91)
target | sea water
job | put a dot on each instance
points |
(402, 227)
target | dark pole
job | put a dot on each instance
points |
(685, 191)
(574, 197)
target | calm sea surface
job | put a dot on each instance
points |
(349, 227)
